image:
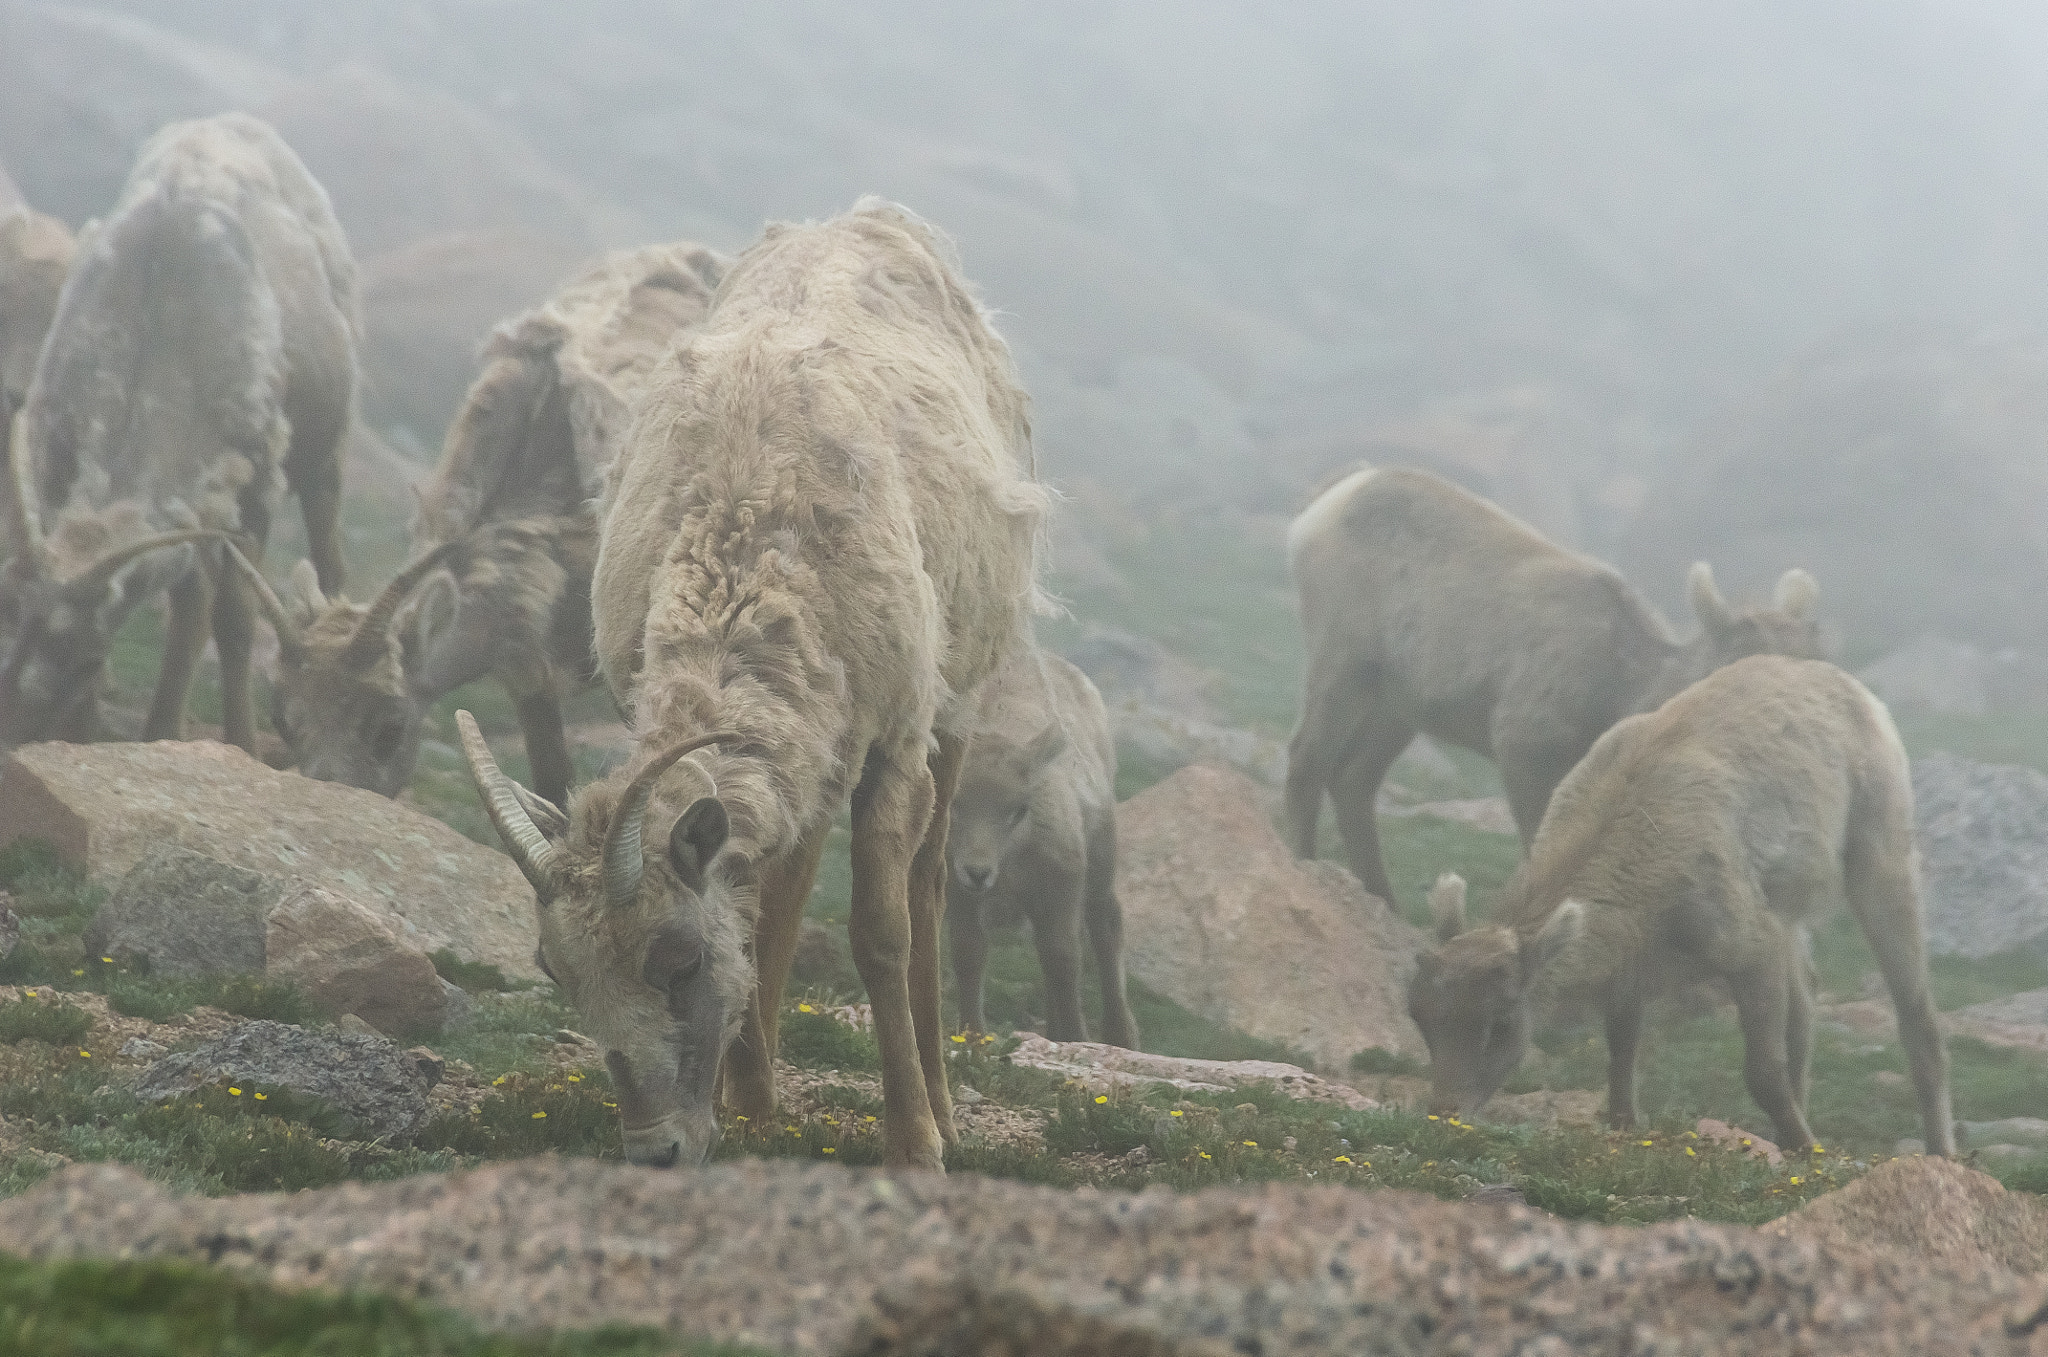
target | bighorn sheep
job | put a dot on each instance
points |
(35, 256)
(1427, 608)
(1701, 839)
(1033, 833)
(203, 343)
(505, 540)
(819, 539)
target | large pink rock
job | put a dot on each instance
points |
(1220, 918)
(104, 805)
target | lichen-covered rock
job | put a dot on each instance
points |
(180, 913)
(367, 1079)
(348, 959)
(1219, 917)
(105, 806)
(1983, 831)
(1096, 1067)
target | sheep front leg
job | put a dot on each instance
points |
(785, 888)
(191, 610)
(1624, 1031)
(892, 808)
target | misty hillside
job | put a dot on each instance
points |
(1645, 273)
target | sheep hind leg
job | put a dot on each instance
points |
(1763, 1001)
(1356, 793)
(1624, 1034)
(1330, 707)
(892, 808)
(1886, 899)
(1106, 936)
(968, 936)
(547, 744)
(1056, 935)
(191, 607)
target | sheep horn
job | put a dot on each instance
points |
(290, 640)
(537, 858)
(27, 529)
(89, 583)
(622, 858)
(374, 632)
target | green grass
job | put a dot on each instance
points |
(166, 1309)
(54, 1023)
(1997, 737)
(476, 977)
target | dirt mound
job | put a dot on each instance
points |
(815, 1260)
(1936, 1210)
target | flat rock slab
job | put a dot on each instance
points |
(820, 1260)
(1220, 918)
(105, 805)
(1097, 1067)
(366, 1078)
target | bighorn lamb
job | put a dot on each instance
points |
(1033, 834)
(204, 343)
(819, 539)
(505, 540)
(1703, 838)
(1426, 608)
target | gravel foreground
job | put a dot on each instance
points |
(821, 1260)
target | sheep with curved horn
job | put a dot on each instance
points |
(511, 498)
(221, 281)
(781, 561)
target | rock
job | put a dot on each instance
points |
(1983, 831)
(350, 1025)
(1489, 814)
(1153, 737)
(182, 913)
(368, 1079)
(1219, 917)
(2029, 1008)
(1938, 1211)
(104, 806)
(141, 1048)
(1721, 1133)
(458, 1010)
(1098, 1068)
(348, 959)
(2009, 1130)
(1933, 674)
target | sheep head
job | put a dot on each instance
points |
(650, 948)
(991, 811)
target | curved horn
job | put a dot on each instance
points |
(537, 858)
(290, 640)
(27, 528)
(97, 576)
(372, 635)
(622, 860)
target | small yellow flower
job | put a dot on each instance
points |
(792, 1130)
(263, 1097)
(1251, 1144)
(575, 1078)
(1691, 1153)
(1341, 1159)
(1101, 1098)
(497, 1081)
(1745, 1142)
(86, 1054)
(30, 993)
(805, 1008)
(539, 1115)
(1646, 1143)
(960, 1040)
(1429, 1163)
(1432, 1116)
(1365, 1163)
(1176, 1113)
(830, 1150)
(109, 960)
(1203, 1153)
(868, 1118)
(986, 1038)
(1795, 1180)
(80, 971)
(234, 1092)
(741, 1115)
(609, 1103)
(831, 1121)
(1820, 1149)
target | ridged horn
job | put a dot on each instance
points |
(622, 859)
(90, 582)
(372, 636)
(27, 529)
(537, 858)
(290, 640)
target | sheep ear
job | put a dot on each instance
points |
(1797, 594)
(1559, 932)
(1447, 905)
(1707, 604)
(695, 838)
(1045, 747)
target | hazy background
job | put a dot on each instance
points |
(1757, 281)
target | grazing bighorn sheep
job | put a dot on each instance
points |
(819, 539)
(1033, 833)
(505, 540)
(204, 343)
(1703, 838)
(1427, 608)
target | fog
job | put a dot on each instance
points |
(1758, 281)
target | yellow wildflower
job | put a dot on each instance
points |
(1795, 1180)
(109, 960)
(30, 993)
(1251, 1144)
(1176, 1113)
(86, 1054)
(830, 1150)
(959, 1039)
(1691, 1153)
(234, 1092)
(805, 1008)
(1341, 1159)
(1646, 1144)
(1203, 1153)
(1101, 1097)
(575, 1078)
(538, 1115)
(263, 1097)
(1432, 1116)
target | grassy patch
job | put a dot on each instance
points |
(156, 1309)
(812, 1039)
(1418, 847)
(39, 1019)
(1995, 737)
(477, 977)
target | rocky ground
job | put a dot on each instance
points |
(815, 1260)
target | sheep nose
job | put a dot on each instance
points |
(978, 878)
